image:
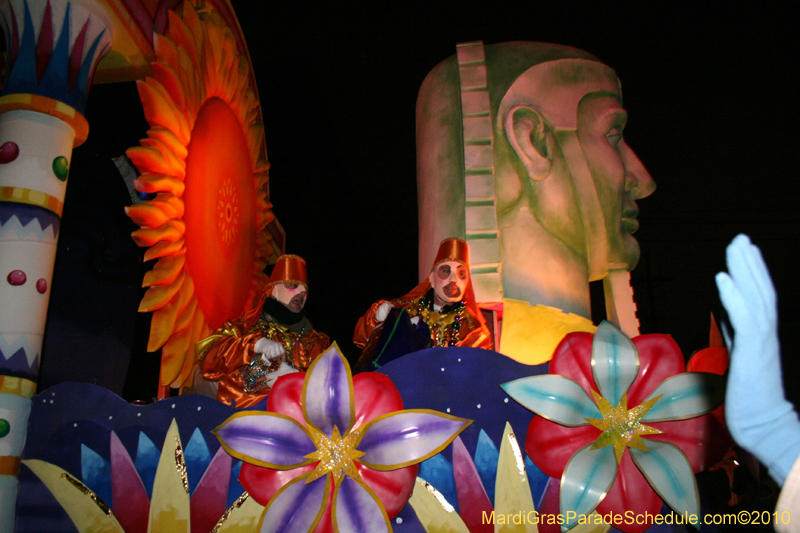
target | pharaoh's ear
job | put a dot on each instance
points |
(527, 133)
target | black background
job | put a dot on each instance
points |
(712, 98)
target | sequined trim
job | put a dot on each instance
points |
(238, 503)
(85, 490)
(180, 464)
(438, 495)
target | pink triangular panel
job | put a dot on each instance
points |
(128, 495)
(473, 503)
(44, 45)
(76, 56)
(209, 498)
(548, 507)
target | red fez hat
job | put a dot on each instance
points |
(289, 269)
(452, 249)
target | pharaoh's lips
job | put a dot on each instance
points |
(629, 222)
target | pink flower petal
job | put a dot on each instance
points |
(659, 359)
(630, 492)
(285, 397)
(375, 395)
(550, 445)
(262, 483)
(393, 488)
(572, 359)
(702, 439)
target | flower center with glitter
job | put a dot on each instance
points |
(620, 426)
(335, 454)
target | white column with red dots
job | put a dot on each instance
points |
(34, 178)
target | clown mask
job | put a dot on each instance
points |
(449, 281)
(291, 295)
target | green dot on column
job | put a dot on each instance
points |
(61, 167)
(5, 427)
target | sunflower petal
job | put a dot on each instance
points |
(669, 472)
(171, 81)
(165, 49)
(169, 140)
(171, 160)
(164, 249)
(328, 398)
(162, 325)
(156, 183)
(160, 111)
(173, 356)
(408, 437)
(166, 270)
(149, 159)
(555, 398)
(146, 214)
(686, 396)
(157, 297)
(615, 362)
(587, 479)
(171, 232)
(265, 439)
(357, 510)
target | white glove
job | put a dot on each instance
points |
(759, 417)
(284, 368)
(415, 320)
(383, 311)
(269, 349)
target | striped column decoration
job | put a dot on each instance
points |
(480, 206)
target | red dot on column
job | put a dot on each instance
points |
(8, 152)
(17, 277)
(41, 285)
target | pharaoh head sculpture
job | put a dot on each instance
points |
(520, 150)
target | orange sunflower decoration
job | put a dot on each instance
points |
(204, 160)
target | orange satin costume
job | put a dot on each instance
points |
(231, 347)
(459, 324)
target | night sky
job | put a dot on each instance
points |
(714, 116)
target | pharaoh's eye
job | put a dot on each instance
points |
(614, 136)
(290, 286)
(462, 273)
(444, 271)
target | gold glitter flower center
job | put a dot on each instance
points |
(621, 426)
(335, 454)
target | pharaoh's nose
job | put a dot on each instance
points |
(638, 181)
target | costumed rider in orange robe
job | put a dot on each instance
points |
(445, 302)
(246, 356)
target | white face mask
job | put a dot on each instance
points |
(291, 295)
(449, 281)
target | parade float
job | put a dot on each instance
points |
(565, 425)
